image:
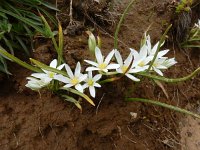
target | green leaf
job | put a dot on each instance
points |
(78, 93)
(18, 61)
(50, 6)
(164, 105)
(45, 67)
(72, 100)
(23, 45)
(160, 78)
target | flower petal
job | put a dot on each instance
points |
(132, 77)
(97, 85)
(162, 53)
(138, 69)
(92, 91)
(68, 85)
(60, 67)
(82, 77)
(153, 50)
(98, 55)
(91, 63)
(109, 57)
(134, 53)
(128, 60)
(85, 86)
(113, 66)
(158, 71)
(89, 74)
(79, 88)
(92, 68)
(77, 69)
(53, 64)
(69, 71)
(62, 78)
(143, 52)
(118, 58)
(97, 77)
(39, 75)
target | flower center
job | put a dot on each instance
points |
(102, 66)
(90, 82)
(124, 68)
(51, 74)
(155, 64)
(74, 81)
(141, 64)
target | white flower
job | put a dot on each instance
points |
(158, 65)
(48, 76)
(74, 79)
(161, 62)
(141, 59)
(91, 83)
(101, 64)
(125, 67)
(197, 24)
(169, 62)
(36, 84)
(152, 50)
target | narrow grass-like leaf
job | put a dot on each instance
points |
(162, 87)
(160, 78)
(164, 105)
(3, 66)
(9, 45)
(23, 45)
(191, 46)
(18, 61)
(60, 44)
(71, 99)
(45, 67)
(109, 80)
(79, 93)
(120, 23)
(48, 5)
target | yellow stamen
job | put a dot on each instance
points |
(124, 68)
(155, 64)
(141, 64)
(90, 82)
(74, 81)
(51, 74)
(102, 66)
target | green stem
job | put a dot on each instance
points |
(159, 45)
(168, 79)
(109, 80)
(18, 61)
(78, 93)
(120, 23)
(164, 105)
(48, 68)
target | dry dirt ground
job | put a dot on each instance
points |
(31, 122)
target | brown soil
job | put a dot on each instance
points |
(31, 122)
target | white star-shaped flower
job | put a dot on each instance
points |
(126, 66)
(36, 84)
(101, 64)
(141, 59)
(169, 62)
(152, 50)
(91, 82)
(74, 79)
(48, 75)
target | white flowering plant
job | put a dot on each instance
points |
(193, 38)
(149, 61)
